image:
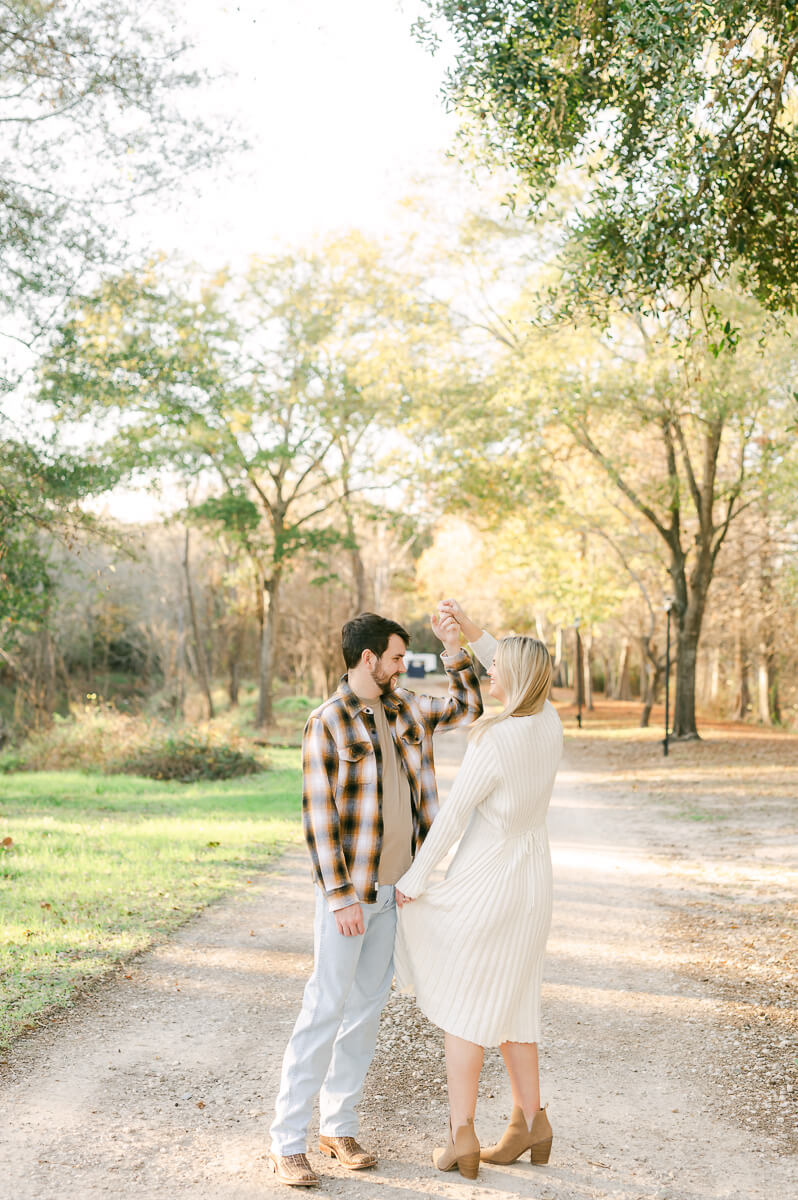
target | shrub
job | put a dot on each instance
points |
(98, 738)
(94, 738)
(187, 757)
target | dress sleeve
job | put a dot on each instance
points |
(476, 779)
(485, 648)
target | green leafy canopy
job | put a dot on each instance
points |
(682, 116)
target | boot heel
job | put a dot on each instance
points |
(328, 1150)
(540, 1152)
(468, 1165)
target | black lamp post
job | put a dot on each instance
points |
(578, 675)
(668, 607)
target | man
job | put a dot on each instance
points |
(369, 797)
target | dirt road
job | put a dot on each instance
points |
(160, 1083)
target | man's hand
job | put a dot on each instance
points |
(350, 920)
(446, 628)
(402, 899)
(450, 608)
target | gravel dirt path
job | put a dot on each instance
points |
(159, 1084)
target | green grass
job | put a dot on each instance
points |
(101, 866)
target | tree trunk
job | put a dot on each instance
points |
(688, 632)
(767, 687)
(579, 671)
(268, 644)
(773, 693)
(587, 654)
(652, 673)
(762, 691)
(691, 598)
(609, 673)
(623, 690)
(358, 569)
(235, 649)
(199, 650)
(360, 580)
(233, 683)
(90, 649)
(767, 671)
(234, 662)
(655, 679)
(48, 676)
(180, 661)
(558, 674)
(714, 675)
(684, 722)
(742, 665)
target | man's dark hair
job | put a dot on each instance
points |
(368, 632)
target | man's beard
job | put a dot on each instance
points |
(383, 682)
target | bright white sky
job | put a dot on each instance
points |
(342, 110)
(341, 107)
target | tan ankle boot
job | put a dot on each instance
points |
(518, 1138)
(462, 1152)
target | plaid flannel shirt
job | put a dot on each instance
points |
(342, 776)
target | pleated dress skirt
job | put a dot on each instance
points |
(471, 947)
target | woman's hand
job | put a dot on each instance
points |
(450, 608)
(402, 899)
(447, 629)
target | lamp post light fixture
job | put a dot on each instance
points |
(668, 609)
(578, 675)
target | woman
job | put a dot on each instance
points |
(471, 945)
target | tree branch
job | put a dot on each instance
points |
(695, 491)
(585, 440)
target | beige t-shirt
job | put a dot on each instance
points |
(397, 815)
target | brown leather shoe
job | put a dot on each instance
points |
(519, 1137)
(462, 1151)
(349, 1152)
(294, 1170)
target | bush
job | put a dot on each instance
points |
(98, 738)
(94, 738)
(188, 757)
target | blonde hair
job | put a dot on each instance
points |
(526, 672)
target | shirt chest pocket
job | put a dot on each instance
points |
(354, 752)
(357, 772)
(410, 741)
(410, 736)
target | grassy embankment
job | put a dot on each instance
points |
(100, 866)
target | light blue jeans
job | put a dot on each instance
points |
(334, 1038)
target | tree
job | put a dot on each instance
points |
(679, 117)
(676, 122)
(671, 426)
(277, 391)
(91, 123)
(41, 495)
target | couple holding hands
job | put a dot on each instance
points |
(470, 945)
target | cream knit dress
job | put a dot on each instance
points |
(471, 945)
